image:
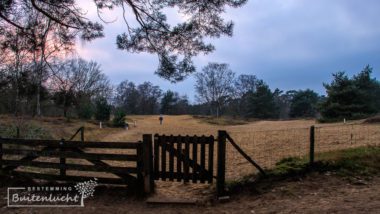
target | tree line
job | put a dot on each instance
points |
(246, 96)
(78, 88)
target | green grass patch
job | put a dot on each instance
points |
(26, 131)
(362, 161)
(355, 162)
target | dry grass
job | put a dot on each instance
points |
(266, 142)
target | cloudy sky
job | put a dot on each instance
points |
(290, 44)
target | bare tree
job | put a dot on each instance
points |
(42, 37)
(76, 79)
(141, 99)
(215, 86)
(245, 83)
(174, 45)
(15, 57)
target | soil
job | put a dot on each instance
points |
(316, 193)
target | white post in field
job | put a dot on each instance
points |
(100, 125)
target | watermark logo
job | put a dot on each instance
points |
(51, 196)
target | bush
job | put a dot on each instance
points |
(119, 118)
(28, 131)
(85, 110)
(103, 109)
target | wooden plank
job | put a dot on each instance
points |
(221, 176)
(62, 160)
(71, 154)
(75, 134)
(163, 157)
(71, 144)
(1, 156)
(28, 158)
(171, 157)
(76, 167)
(156, 156)
(311, 148)
(103, 164)
(192, 163)
(210, 159)
(195, 158)
(179, 154)
(203, 159)
(68, 178)
(148, 164)
(186, 159)
(139, 188)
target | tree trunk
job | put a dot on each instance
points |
(40, 67)
(38, 110)
(17, 93)
(65, 108)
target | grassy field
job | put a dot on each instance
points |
(266, 142)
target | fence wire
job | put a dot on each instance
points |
(332, 138)
(269, 147)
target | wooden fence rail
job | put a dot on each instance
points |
(15, 153)
(172, 158)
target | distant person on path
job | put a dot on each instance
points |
(161, 118)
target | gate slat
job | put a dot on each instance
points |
(203, 159)
(156, 157)
(179, 159)
(187, 157)
(171, 158)
(195, 158)
(210, 159)
(163, 157)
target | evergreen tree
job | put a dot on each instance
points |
(119, 118)
(103, 109)
(168, 102)
(304, 104)
(261, 103)
(351, 98)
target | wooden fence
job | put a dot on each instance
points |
(171, 158)
(15, 153)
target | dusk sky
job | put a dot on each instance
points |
(290, 44)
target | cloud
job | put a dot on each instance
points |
(291, 44)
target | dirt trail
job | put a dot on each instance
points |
(314, 194)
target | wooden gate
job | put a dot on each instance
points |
(184, 158)
(48, 156)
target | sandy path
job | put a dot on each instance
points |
(314, 194)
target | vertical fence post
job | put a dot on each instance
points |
(221, 173)
(312, 141)
(140, 169)
(17, 132)
(148, 163)
(82, 134)
(62, 160)
(1, 155)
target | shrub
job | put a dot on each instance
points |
(85, 110)
(119, 118)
